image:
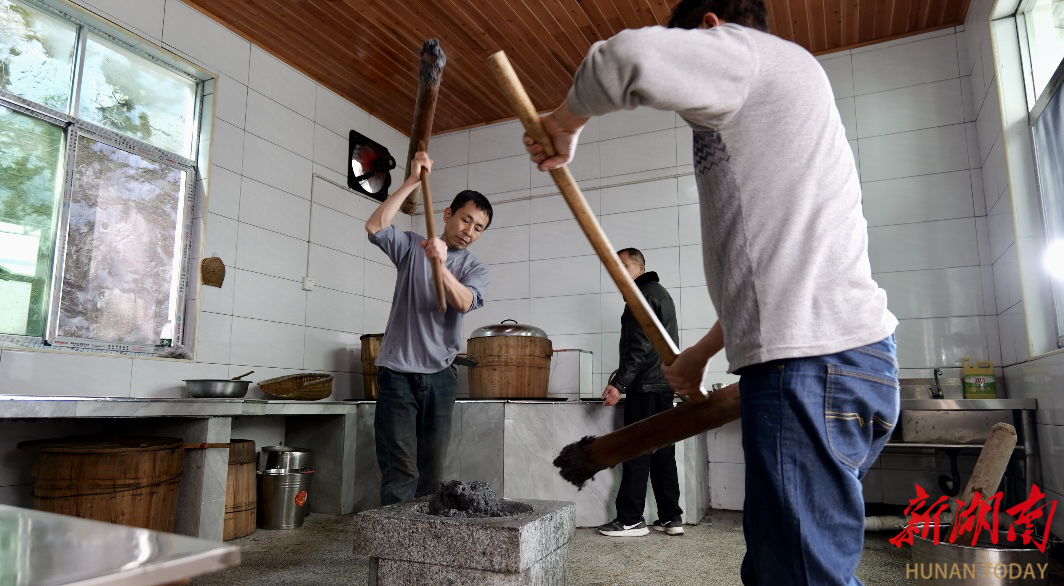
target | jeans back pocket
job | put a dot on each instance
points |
(860, 410)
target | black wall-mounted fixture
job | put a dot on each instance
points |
(368, 170)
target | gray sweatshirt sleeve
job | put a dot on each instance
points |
(704, 75)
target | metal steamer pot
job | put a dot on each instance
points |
(511, 361)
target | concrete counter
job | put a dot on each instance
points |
(508, 443)
(512, 444)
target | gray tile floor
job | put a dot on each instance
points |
(709, 554)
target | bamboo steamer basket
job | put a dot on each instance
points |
(241, 498)
(513, 361)
(127, 480)
(301, 387)
(371, 348)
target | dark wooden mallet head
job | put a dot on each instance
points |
(432, 63)
(578, 462)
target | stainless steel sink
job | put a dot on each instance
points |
(954, 421)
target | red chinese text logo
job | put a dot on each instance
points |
(975, 517)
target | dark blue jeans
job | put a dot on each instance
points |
(412, 426)
(811, 429)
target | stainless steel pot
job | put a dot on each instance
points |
(284, 458)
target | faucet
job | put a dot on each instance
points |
(936, 392)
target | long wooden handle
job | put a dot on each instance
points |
(430, 227)
(515, 92)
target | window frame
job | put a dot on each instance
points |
(1036, 105)
(78, 129)
(74, 127)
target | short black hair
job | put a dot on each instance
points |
(634, 254)
(689, 13)
(468, 195)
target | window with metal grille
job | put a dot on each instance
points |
(98, 141)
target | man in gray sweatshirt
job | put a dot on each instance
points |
(785, 252)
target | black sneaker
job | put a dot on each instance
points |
(617, 529)
(671, 527)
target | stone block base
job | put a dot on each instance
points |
(406, 546)
(549, 571)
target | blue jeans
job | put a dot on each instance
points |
(811, 429)
(412, 426)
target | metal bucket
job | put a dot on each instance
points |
(1003, 564)
(284, 458)
(284, 498)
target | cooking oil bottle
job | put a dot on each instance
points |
(979, 380)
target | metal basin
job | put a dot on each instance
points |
(985, 564)
(208, 388)
(954, 421)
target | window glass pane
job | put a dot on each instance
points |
(36, 55)
(1048, 132)
(135, 96)
(31, 152)
(121, 266)
(1045, 36)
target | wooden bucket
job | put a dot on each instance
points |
(127, 480)
(371, 348)
(509, 367)
(241, 499)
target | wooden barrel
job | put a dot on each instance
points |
(128, 480)
(371, 347)
(241, 499)
(509, 367)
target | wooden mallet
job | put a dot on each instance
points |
(432, 62)
(989, 468)
(578, 462)
(581, 460)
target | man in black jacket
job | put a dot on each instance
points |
(640, 378)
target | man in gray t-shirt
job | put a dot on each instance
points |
(785, 255)
(416, 379)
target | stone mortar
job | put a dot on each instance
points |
(404, 532)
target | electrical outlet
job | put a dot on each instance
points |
(308, 284)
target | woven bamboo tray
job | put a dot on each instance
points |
(303, 387)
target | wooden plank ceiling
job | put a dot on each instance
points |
(368, 50)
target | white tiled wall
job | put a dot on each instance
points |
(274, 213)
(923, 195)
(991, 78)
(544, 271)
